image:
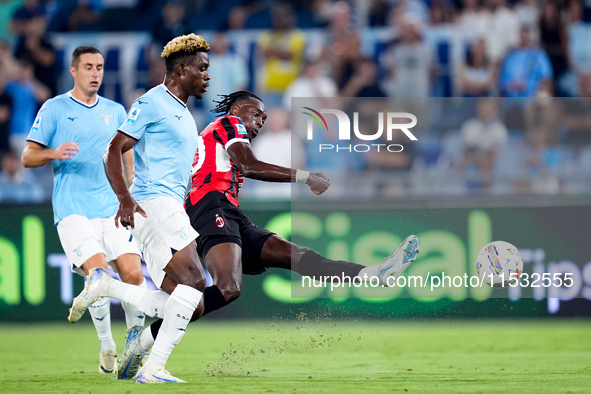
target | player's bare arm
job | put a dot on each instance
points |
(252, 112)
(128, 167)
(35, 155)
(243, 157)
(113, 161)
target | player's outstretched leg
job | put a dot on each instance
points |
(280, 253)
(390, 270)
(96, 286)
(100, 284)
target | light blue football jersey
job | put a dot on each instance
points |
(80, 185)
(166, 143)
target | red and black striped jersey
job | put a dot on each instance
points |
(212, 167)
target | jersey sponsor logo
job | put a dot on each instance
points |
(36, 123)
(241, 129)
(133, 114)
(219, 221)
(106, 118)
(72, 118)
(178, 117)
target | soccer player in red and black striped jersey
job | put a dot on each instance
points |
(229, 244)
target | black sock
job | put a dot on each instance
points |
(212, 300)
(155, 327)
(318, 267)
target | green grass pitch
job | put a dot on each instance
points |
(302, 356)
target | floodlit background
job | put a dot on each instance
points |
(503, 152)
(502, 91)
(524, 51)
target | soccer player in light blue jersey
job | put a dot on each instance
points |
(71, 131)
(162, 132)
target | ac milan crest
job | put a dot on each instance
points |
(220, 222)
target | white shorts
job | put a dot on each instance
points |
(82, 238)
(166, 229)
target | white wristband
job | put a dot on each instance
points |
(302, 176)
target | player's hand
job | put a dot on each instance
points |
(127, 208)
(66, 151)
(318, 182)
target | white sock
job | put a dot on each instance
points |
(148, 302)
(133, 316)
(146, 339)
(177, 314)
(101, 317)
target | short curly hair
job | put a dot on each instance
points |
(181, 47)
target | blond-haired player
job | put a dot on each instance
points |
(163, 134)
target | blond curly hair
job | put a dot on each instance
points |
(185, 44)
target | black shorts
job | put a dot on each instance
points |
(219, 221)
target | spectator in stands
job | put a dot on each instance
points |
(578, 39)
(230, 71)
(312, 83)
(441, 12)
(7, 72)
(17, 185)
(388, 170)
(282, 52)
(543, 159)
(378, 13)
(323, 11)
(274, 146)
(8, 65)
(171, 24)
(29, 10)
(27, 94)
(85, 17)
(415, 8)
(364, 81)
(502, 29)
(482, 138)
(471, 20)
(34, 46)
(343, 48)
(170, 21)
(409, 64)
(554, 39)
(476, 77)
(7, 9)
(5, 112)
(577, 116)
(542, 112)
(383, 160)
(345, 63)
(528, 13)
(237, 17)
(118, 15)
(526, 70)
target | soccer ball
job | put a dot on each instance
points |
(499, 264)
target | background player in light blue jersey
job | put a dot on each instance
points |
(162, 132)
(71, 131)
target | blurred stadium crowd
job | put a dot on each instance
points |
(507, 83)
